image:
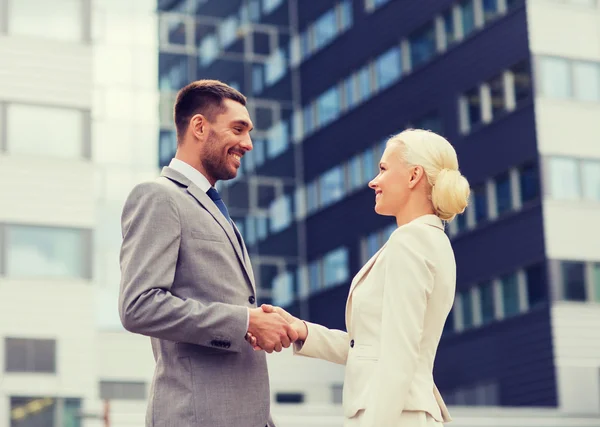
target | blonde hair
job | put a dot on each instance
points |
(449, 188)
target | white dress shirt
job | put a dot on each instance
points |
(199, 181)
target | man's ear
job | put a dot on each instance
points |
(198, 126)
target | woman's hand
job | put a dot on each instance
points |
(298, 325)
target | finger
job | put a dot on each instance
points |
(285, 341)
(292, 334)
(257, 348)
(278, 347)
(267, 308)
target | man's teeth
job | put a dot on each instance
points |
(237, 156)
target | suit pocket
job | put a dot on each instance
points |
(366, 352)
(207, 235)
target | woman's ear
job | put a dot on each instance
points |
(416, 174)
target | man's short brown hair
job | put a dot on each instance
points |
(202, 97)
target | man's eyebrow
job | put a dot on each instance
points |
(244, 123)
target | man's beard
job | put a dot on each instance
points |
(212, 161)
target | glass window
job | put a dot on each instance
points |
(449, 325)
(280, 213)
(467, 13)
(174, 71)
(467, 309)
(480, 203)
(261, 227)
(346, 15)
(308, 118)
(33, 412)
(486, 294)
(596, 281)
(312, 197)
(227, 31)
(573, 275)
(364, 83)
(522, 81)
(349, 93)
(275, 67)
(283, 289)
(355, 172)
(432, 122)
(490, 9)
(250, 228)
(61, 19)
(586, 79)
(257, 78)
(503, 194)
(30, 355)
(368, 168)
(332, 186)
(304, 44)
(335, 267)
(537, 291)
(461, 222)
(387, 231)
(510, 294)
(388, 67)
(167, 145)
(278, 139)
(62, 130)
(590, 170)
(269, 5)
(529, 181)
(46, 252)
(449, 27)
(496, 85)
(258, 152)
(422, 45)
(314, 275)
(555, 77)
(328, 106)
(473, 98)
(175, 25)
(371, 245)
(325, 29)
(565, 183)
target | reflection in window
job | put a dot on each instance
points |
(573, 275)
(59, 19)
(228, 31)
(174, 71)
(332, 186)
(368, 168)
(432, 122)
(555, 77)
(308, 118)
(467, 13)
(346, 15)
(283, 289)
(371, 245)
(335, 267)
(269, 5)
(280, 213)
(46, 252)
(355, 173)
(537, 292)
(349, 93)
(449, 27)
(490, 9)
(325, 29)
(388, 68)
(564, 179)
(467, 309)
(503, 194)
(328, 106)
(480, 203)
(62, 130)
(522, 79)
(529, 183)
(473, 98)
(275, 67)
(364, 83)
(312, 197)
(278, 139)
(422, 46)
(591, 180)
(486, 293)
(496, 85)
(586, 79)
(510, 294)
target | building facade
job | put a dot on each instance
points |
(513, 84)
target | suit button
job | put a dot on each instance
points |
(251, 299)
(352, 343)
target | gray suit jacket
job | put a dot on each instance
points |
(186, 282)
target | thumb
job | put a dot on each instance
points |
(267, 308)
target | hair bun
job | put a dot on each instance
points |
(450, 193)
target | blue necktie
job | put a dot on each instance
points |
(216, 198)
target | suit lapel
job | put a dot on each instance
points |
(210, 206)
(247, 262)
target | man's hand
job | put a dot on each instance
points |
(270, 330)
(297, 325)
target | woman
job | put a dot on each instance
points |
(399, 301)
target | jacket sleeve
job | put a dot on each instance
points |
(408, 283)
(322, 343)
(151, 239)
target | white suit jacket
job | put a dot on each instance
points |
(395, 313)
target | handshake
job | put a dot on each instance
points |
(272, 329)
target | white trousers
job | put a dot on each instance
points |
(407, 419)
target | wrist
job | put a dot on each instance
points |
(302, 330)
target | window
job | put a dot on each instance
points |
(335, 267)
(283, 289)
(314, 275)
(490, 9)
(312, 197)
(596, 280)
(503, 194)
(486, 294)
(496, 86)
(289, 398)
(371, 245)
(368, 165)
(61, 19)
(510, 294)
(270, 5)
(167, 145)
(345, 15)
(586, 81)
(432, 122)
(467, 309)
(46, 252)
(522, 81)
(565, 183)
(275, 67)
(30, 355)
(325, 29)
(44, 412)
(480, 203)
(537, 292)
(227, 30)
(422, 45)
(473, 99)
(308, 118)
(555, 77)
(280, 213)
(364, 83)
(467, 14)
(62, 130)
(328, 106)
(449, 27)
(573, 277)
(591, 180)
(208, 51)
(355, 173)
(461, 222)
(349, 93)
(449, 325)
(278, 139)
(529, 182)
(122, 390)
(388, 68)
(332, 186)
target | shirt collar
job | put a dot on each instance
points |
(190, 173)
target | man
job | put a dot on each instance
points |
(186, 278)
